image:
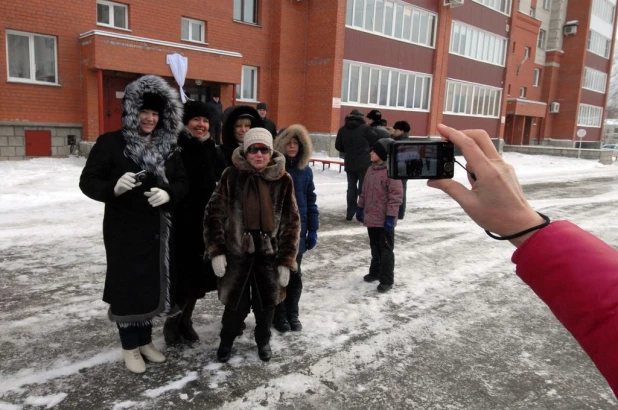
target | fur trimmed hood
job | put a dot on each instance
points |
(304, 140)
(151, 157)
(272, 172)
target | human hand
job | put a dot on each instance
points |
(125, 183)
(389, 224)
(496, 201)
(219, 264)
(284, 275)
(312, 239)
(157, 197)
(360, 214)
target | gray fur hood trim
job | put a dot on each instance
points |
(301, 133)
(151, 157)
(272, 172)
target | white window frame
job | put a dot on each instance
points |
(31, 58)
(469, 41)
(192, 22)
(532, 12)
(244, 19)
(604, 10)
(542, 39)
(501, 6)
(371, 16)
(252, 72)
(523, 92)
(370, 85)
(111, 6)
(537, 77)
(589, 116)
(594, 80)
(546, 4)
(472, 99)
(527, 52)
(598, 44)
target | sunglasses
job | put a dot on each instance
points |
(254, 150)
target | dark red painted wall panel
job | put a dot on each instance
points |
(461, 122)
(465, 69)
(483, 17)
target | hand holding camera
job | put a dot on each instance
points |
(127, 182)
(157, 197)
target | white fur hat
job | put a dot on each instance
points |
(257, 136)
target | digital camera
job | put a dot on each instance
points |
(410, 159)
(140, 176)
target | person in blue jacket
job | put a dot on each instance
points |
(294, 142)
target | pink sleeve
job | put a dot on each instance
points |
(576, 275)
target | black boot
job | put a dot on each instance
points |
(294, 289)
(280, 322)
(185, 327)
(224, 352)
(265, 352)
(171, 332)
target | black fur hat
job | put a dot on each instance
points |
(402, 125)
(152, 101)
(374, 115)
(195, 109)
(380, 147)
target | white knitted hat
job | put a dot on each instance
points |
(257, 136)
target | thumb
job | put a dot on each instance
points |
(152, 192)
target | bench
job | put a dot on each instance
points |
(328, 162)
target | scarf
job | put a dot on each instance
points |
(258, 213)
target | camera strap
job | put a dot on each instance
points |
(518, 234)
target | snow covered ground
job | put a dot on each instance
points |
(458, 330)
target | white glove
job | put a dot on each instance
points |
(157, 197)
(125, 183)
(219, 263)
(284, 275)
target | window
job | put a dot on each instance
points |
(402, 21)
(192, 30)
(527, 53)
(598, 44)
(589, 116)
(246, 11)
(603, 9)
(471, 42)
(522, 92)
(537, 77)
(503, 6)
(366, 84)
(247, 89)
(112, 14)
(32, 57)
(546, 4)
(541, 41)
(472, 99)
(532, 12)
(594, 80)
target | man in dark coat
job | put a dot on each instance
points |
(375, 118)
(137, 220)
(195, 277)
(355, 139)
(262, 109)
(216, 112)
(401, 131)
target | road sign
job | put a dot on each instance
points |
(581, 133)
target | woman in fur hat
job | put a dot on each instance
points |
(195, 277)
(294, 142)
(137, 220)
(237, 120)
(251, 231)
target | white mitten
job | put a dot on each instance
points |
(219, 263)
(157, 197)
(284, 275)
(125, 183)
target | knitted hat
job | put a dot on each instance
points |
(257, 136)
(262, 106)
(357, 113)
(380, 147)
(151, 101)
(195, 109)
(374, 115)
(402, 125)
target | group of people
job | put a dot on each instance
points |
(261, 214)
(185, 215)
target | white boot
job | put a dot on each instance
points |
(134, 361)
(151, 353)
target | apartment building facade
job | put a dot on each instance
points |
(531, 72)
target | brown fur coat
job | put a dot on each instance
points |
(224, 229)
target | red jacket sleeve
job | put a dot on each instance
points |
(576, 275)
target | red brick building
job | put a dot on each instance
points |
(312, 61)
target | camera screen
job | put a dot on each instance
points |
(421, 160)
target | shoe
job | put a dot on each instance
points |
(134, 360)
(151, 353)
(185, 327)
(265, 353)
(370, 278)
(295, 325)
(382, 288)
(348, 218)
(224, 353)
(171, 332)
(282, 326)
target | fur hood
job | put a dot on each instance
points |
(302, 135)
(272, 172)
(151, 157)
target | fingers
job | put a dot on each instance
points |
(484, 142)
(454, 189)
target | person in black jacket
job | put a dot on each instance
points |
(195, 276)
(375, 116)
(354, 139)
(216, 112)
(262, 109)
(237, 120)
(137, 222)
(401, 131)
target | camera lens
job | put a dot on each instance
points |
(448, 167)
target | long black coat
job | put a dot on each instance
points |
(200, 159)
(355, 139)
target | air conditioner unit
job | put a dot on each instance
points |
(453, 3)
(570, 30)
(554, 107)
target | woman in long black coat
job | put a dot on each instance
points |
(137, 220)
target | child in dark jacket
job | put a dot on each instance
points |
(294, 142)
(378, 207)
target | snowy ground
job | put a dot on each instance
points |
(458, 331)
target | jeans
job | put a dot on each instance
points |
(132, 337)
(355, 188)
(382, 244)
